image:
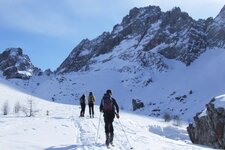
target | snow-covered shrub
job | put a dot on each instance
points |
(167, 117)
(25, 111)
(176, 120)
(17, 107)
(47, 113)
(5, 108)
(28, 111)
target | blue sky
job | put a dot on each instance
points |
(48, 30)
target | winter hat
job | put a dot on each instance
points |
(109, 91)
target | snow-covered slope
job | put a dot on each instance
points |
(179, 90)
(40, 132)
(166, 59)
(63, 129)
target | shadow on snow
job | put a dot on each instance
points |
(73, 147)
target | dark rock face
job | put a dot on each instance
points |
(81, 55)
(188, 40)
(14, 64)
(137, 104)
(209, 129)
(172, 34)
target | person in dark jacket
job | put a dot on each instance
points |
(83, 105)
(110, 108)
(91, 101)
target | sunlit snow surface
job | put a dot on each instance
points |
(63, 129)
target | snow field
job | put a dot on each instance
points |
(64, 130)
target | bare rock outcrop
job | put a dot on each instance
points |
(208, 126)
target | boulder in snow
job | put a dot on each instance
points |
(208, 127)
(137, 104)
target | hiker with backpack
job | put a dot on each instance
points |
(91, 101)
(110, 108)
(83, 105)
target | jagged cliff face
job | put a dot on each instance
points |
(153, 35)
(208, 127)
(14, 64)
(216, 31)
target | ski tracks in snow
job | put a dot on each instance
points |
(130, 131)
(86, 130)
(86, 134)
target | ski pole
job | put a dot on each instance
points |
(125, 134)
(98, 128)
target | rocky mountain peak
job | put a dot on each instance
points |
(137, 21)
(172, 35)
(149, 10)
(13, 52)
(176, 10)
(140, 14)
(176, 19)
(177, 13)
(14, 64)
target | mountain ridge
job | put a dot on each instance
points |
(172, 34)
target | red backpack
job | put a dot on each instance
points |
(107, 104)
